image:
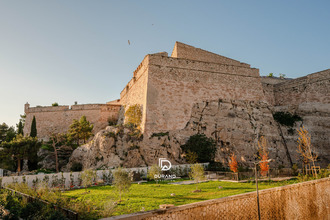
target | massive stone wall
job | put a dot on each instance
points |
(175, 84)
(311, 88)
(58, 118)
(268, 84)
(188, 52)
(135, 91)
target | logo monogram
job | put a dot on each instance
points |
(164, 164)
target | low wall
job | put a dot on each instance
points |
(29, 179)
(308, 200)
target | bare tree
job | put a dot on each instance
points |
(305, 148)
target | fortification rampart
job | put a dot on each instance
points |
(174, 84)
(188, 52)
(57, 119)
(135, 91)
(311, 88)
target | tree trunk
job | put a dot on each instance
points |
(56, 160)
(18, 165)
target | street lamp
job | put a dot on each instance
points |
(256, 178)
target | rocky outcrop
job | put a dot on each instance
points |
(235, 125)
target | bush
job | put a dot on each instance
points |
(133, 115)
(286, 118)
(55, 104)
(197, 173)
(122, 181)
(88, 177)
(203, 146)
(76, 167)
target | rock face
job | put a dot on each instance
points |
(235, 125)
(316, 119)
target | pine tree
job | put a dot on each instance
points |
(33, 132)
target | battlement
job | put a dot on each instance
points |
(66, 108)
(137, 73)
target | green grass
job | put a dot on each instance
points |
(149, 196)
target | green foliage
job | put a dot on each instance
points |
(271, 75)
(295, 169)
(55, 104)
(112, 121)
(160, 134)
(6, 133)
(80, 130)
(21, 209)
(191, 157)
(282, 76)
(133, 115)
(76, 167)
(286, 118)
(203, 146)
(20, 128)
(33, 132)
(122, 181)
(88, 177)
(197, 173)
(20, 148)
(154, 170)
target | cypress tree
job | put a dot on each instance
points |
(33, 132)
(20, 128)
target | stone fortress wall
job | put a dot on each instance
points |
(57, 119)
(168, 87)
(176, 83)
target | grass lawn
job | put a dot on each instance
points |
(148, 196)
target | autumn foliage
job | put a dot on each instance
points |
(263, 156)
(233, 165)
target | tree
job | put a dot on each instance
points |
(56, 140)
(271, 75)
(6, 133)
(20, 148)
(154, 172)
(197, 173)
(122, 181)
(80, 130)
(263, 156)
(305, 148)
(86, 129)
(233, 164)
(282, 76)
(55, 104)
(203, 146)
(33, 132)
(20, 128)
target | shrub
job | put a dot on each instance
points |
(55, 104)
(133, 115)
(286, 118)
(153, 172)
(122, 181)
(76, 167)
(88, 177)
(197, 173)
(203, 146)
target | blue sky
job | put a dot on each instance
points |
(66, 51)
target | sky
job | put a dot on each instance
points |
(66, 51)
